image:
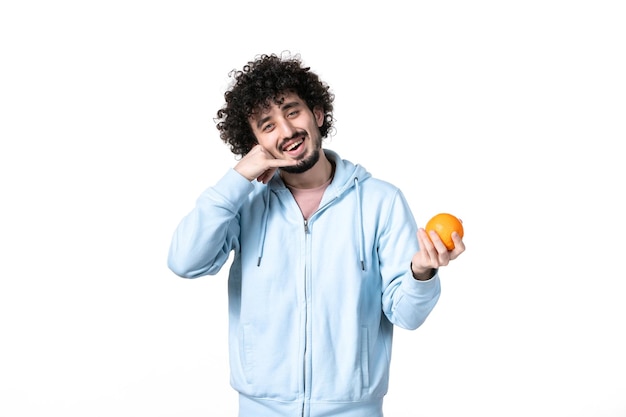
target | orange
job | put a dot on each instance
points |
(444, 224)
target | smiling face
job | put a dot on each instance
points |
(288, 129)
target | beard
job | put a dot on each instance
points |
(304, 164)
(307, 162)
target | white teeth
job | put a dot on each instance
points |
(294, 145)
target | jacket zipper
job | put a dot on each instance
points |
(306, 323)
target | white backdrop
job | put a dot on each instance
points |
(509, 114)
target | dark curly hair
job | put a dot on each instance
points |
(259, 84)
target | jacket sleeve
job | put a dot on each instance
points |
(204, 238)
(407, 302)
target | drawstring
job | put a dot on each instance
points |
(264, 226)
(360, 221)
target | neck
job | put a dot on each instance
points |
(319, 174)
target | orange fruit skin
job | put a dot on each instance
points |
(444, 224)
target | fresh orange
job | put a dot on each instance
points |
(444, 224)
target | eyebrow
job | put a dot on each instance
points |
(285, 106)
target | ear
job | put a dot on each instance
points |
(319, 116)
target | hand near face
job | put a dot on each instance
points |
(433, 253)
(259, 164)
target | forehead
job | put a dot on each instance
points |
(276, 103)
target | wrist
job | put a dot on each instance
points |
(423, 275)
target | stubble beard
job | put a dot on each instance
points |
(307, 163)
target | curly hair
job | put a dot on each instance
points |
(259, 84)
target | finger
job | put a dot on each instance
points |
(430, 252)
(441, 254)
(458, 241)
(425, 243)
(278, 163)
(437, 242)
(274, 164)
(266, 176)
(422, 259)
(459, 246)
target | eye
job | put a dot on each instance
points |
(267, 127)
(293, 113)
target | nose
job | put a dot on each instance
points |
(287, 129)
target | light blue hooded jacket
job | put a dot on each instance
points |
(312, 304)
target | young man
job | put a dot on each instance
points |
(327, 259)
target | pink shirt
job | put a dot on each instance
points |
(308, 199)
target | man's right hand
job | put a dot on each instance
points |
(259, 164)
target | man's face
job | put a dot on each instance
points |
(290, 130)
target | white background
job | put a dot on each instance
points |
(510, 115)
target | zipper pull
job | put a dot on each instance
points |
(306, 226)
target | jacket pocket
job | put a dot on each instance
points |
(246, 351)
(365, 356)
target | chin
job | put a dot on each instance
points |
(304, 164)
